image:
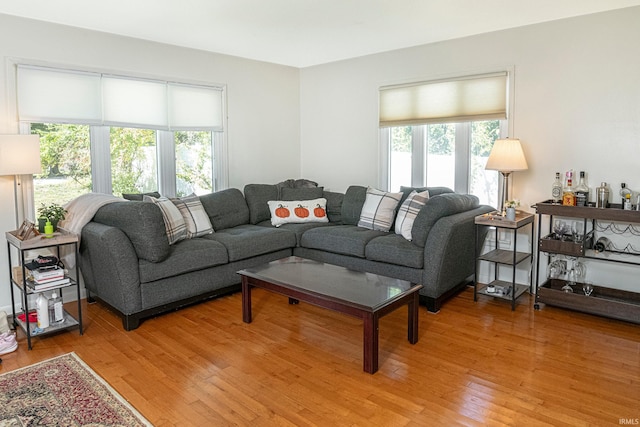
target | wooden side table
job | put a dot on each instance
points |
(502, 289)
(22, 283)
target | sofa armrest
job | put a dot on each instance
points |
(439, 207)
(109, 266)
(449, 252)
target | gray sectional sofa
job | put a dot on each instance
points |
(128, 264)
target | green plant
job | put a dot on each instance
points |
(53, 212)
(512, 203)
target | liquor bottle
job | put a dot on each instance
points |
(568, 196)
(582, 192)
(602, 244)
(556, 189)
(627, 203)
(623, 193)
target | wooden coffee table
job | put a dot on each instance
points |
(364, 295)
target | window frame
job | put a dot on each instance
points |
(100, 151)
(462, 138)
(419, 154)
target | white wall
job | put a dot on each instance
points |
(577, 101)
(263, 99)
(577, 105)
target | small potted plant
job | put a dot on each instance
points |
(510, 208)
(52, 213)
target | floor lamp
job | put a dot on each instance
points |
(19, 155)
(506, 157)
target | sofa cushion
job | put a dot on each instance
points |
(436, 208)
(303, 193)
(226, 208)
(187, 255)
(408, 211)
(298, 211)
(334, 206)
(195, 217)
(352, 204)
(298, 229)
(340, 239)
(246, 241)
(174, 223)
(257, 196)
(395, 249)
(142, 223)
(379, 209)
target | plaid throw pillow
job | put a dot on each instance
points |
(379, 210)
(408, 211)
(195, 217)
(173, 221)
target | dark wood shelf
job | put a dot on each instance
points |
(607, 302)
(612, 213)
(504, 256)
(519, 289)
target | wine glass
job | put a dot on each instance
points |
(587, 288)
(556, 269)
(571, 281)
(577, 270)
(559, 228)
(577, 231)
(581, 270)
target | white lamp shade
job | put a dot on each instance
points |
(19, 154)
(507, 156)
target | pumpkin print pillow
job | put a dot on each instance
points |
(298, 211)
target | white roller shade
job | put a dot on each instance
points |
(195, 107)
(445, 101)
(138, 103)
(49, 95)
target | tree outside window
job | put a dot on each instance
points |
(65, 154)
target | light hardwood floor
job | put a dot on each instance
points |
(475, 364)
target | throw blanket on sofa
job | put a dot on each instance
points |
(79, 212)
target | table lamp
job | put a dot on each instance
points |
(506, 157)
(19, 155)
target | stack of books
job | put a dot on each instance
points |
(47, 278)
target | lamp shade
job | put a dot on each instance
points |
(507, 156)
(20, 154)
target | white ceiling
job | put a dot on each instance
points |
(302, 33)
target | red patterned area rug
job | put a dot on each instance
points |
(62, 391)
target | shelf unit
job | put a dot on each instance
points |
(20, 282)
(603, 301)
(498, 256)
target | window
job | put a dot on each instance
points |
(440, 133)
(450, 155)
(119, 134)
(66, 163)
(127, 157)
(133, 160)
(194, 163)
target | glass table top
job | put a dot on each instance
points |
(366, 289)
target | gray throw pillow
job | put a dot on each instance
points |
(352, 204)
(226, 208)
(257, 196)
(301, 193)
